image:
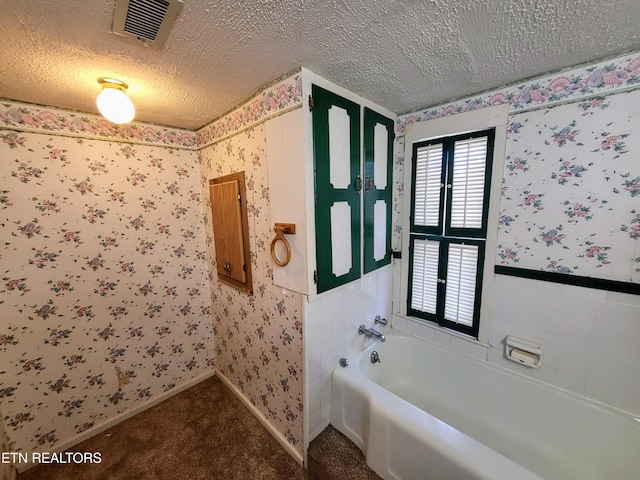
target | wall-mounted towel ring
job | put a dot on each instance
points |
(281, 229)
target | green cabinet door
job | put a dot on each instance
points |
(336, 156)
(343, 189)
(378, 173)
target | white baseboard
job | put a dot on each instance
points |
(92, 432)
(297, 456)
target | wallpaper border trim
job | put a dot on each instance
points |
(26, 117)
(282, 96)
(279, 98)
(240, 130)
(570, 279)
(574, 83)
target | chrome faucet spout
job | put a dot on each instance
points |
(378, 335)
(370, 332)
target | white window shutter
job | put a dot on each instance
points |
(424, 280)
(427, 185)
(467, 185)
(461, 283)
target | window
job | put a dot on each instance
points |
(450, 186)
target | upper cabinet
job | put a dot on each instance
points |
(353, 179)
(231, 230)
(330, 173)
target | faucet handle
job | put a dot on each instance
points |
(381, 321)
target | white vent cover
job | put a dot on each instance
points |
(146, 20)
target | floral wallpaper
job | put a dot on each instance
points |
(103, 267)
(571, 195)
(259, 343)
(570, 183)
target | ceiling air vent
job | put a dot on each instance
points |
(146, 20)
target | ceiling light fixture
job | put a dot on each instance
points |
(113, 103)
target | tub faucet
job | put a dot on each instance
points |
(370, 332)
(381, 321)
(377, 334)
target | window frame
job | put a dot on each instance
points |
(445, 234)
(453, 126)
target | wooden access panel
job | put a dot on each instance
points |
(230, 230)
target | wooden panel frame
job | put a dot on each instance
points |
(231, 230)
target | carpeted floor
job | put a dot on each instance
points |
(204, 432)
(332, 456)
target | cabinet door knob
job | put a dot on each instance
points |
(367, 183)
(357, 183)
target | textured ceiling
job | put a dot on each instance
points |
(402, 54)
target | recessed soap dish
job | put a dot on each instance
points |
(524, 352)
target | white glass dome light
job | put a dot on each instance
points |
(113, 103)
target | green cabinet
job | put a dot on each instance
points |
(353, 151)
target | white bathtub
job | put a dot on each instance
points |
(425, 412)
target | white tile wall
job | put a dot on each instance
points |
(591, 337)
(446, 338)
(331, 322)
